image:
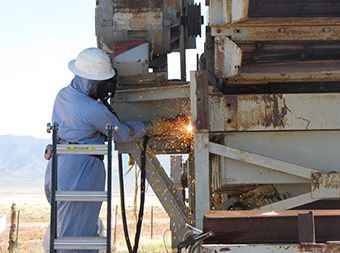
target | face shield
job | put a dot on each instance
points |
(103, 90)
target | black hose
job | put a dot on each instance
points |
(122, 202)
(142, 198)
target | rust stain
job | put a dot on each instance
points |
(291, 34)
(320, 248)
(316, 180)
(329, 180)
(219, 47)
(251, 111)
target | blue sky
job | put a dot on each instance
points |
(38, 39)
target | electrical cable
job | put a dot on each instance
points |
(165, 247)
(133, 249)
(142, 194)
(122, 202)
(194, 247)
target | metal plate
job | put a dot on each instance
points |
(274, 112)
(271, 248)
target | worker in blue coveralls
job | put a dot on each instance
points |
(81, 115)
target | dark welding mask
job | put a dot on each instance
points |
(103, 90)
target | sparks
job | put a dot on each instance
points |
(189, 128)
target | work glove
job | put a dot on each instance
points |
(157, 127)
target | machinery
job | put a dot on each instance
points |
(264, 108)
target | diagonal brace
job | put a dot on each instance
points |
(261, 160)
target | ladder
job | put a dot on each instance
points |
(79, 243)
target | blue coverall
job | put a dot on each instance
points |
(82, 120)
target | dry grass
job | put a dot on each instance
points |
(34, 218)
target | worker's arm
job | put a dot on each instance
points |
(99, 116)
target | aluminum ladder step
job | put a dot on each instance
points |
(82, 149)
(74, 196)
(80, 243)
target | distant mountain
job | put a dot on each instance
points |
(22, 162)
(22, 165)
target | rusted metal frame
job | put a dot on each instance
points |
(278, 226)
(274, 112)
(264, 78)
(256, 22)
(228, 57)
(272, 164)
(290, 203)
(161, 184)
(199, 100)
(280, 30)
(270, 248)
(152, 93)
(202, 176)
(326, 185)
(200, 120)
(280, 88)
(294, 8)
(261, 160)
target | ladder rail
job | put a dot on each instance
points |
(109, 129)
(75, 243)
(54, 186)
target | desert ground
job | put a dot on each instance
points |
(34, 219)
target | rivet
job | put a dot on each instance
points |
(326, 29)
(282, 30)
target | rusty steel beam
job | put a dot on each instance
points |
(268, 112)
(293, 8)
(333, 247)
(281, 88)
(256, 226)
(199, 101)
(265, 78)
(273, 29)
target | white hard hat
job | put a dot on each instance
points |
(93, 64)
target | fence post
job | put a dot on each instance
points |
(11, 241)
(17, 236)
(151, 222)
(116, 220)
